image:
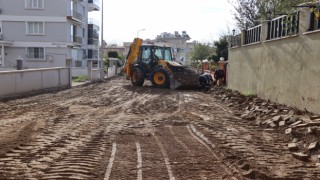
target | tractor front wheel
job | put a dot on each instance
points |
(160, 78)
(137, 76)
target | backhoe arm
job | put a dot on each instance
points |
(132, 55)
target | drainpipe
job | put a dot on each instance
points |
(2, 55)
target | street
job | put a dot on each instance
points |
(113, 130)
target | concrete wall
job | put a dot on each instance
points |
(19, 82)
(95, 74)
(284, 70)
(79, 72)
(113, 71)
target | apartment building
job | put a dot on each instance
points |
(44, 33)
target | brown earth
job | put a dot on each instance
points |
(113, 130)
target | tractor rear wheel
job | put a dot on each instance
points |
(137, 76)
(160, 78)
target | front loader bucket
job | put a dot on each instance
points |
(184, 80)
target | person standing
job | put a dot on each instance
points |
(218, 76)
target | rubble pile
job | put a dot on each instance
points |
(300, 128)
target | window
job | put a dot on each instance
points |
(34, 4)
(167, 54)
(35, 28)
(77, 63)
(158, 53)
(84, 54)
(92, 54)
(146, 55)
(35, 53)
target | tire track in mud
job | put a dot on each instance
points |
(250, 148)
(66, 137)
(190, 159)
(162, 153)
(65, 151)
(71, 135)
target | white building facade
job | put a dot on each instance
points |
(44, 33)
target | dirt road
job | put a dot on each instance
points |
(112, 130)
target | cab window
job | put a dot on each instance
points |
(158, 53)
(146, 55)
(167, 54)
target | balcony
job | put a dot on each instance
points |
(77, 39)
(76, 16)
(93, 35)
(94, 5)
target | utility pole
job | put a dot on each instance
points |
(101, 46)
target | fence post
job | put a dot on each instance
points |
(102, 74)
(230, 41)
(90, 70)
(243, 37)
(69, 65)
(304, 19)
(264, 30)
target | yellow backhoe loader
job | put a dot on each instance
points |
(155, 63)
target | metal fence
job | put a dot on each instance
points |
(282, 26)
(253, 35)
(314, 20)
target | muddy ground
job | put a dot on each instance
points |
(112, 130)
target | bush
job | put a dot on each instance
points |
(113, 54)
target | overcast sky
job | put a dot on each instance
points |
(204, 20)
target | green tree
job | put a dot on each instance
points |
(201, 51)
(221, 48)
(113, 54)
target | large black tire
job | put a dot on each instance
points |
(137, 76)
(160, 78)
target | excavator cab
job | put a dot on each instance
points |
(155, 63)
(150, 55)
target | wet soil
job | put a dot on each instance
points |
(113, 130)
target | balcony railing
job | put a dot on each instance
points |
(77, 39)
(282, 26)
(94, 42)
(76, 16)
(94, 5)
(253, 35)
(292, 25)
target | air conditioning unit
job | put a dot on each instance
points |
(0, 36)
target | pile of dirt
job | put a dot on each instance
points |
(299, 128)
